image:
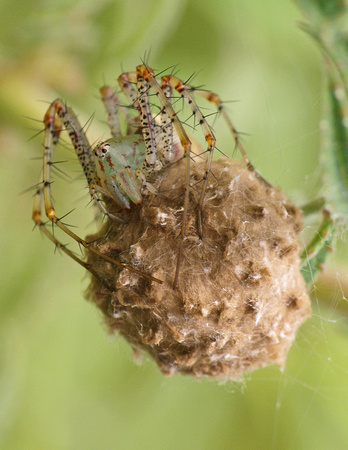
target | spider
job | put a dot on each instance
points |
(119, 168)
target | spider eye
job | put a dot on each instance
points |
(101, 150)
(105, 148)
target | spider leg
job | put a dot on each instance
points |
(184, 91)
(162, 127)
(149, 129)
(147, 124)
(110, 101)
(171, 148)
(57, 118)
(214, 98)
(42, 226)
(145, 80)
(94, 190)
(126, 81)
(112, 107)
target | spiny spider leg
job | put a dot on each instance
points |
(125, 81)
(145, 79)
(214, 98)
(38, 221)
(169, 152)
(184, 91)
(164, 131)
(152, 132)
(110, 101)
(112, 106)
(140, 100)
(58, 118)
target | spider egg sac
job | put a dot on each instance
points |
(240, 296)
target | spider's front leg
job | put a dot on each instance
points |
(145, 81)
(58, 118)
(215, 98)
(184, 91)
(36, 216)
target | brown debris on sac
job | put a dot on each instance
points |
(240, 296)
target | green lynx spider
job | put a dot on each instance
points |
(119, 167)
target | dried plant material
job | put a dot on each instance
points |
(240, 296)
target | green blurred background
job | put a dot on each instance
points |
(65, 384)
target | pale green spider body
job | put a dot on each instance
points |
(117, 162)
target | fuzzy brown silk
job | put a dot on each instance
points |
(240, 295)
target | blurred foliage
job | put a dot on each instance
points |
(327, 9)
(61, 384)
(328, 25)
